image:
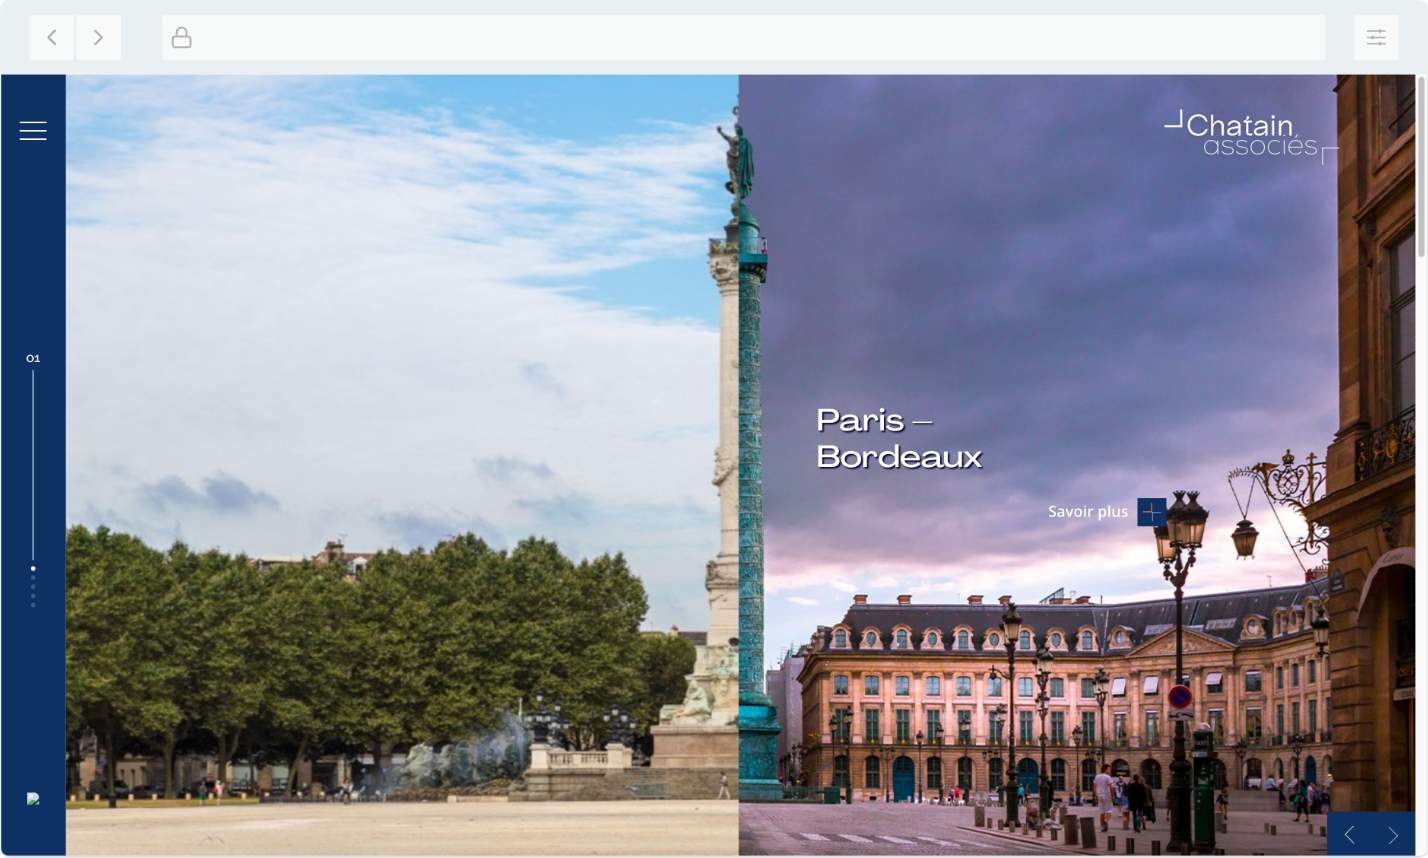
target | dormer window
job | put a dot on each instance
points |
(1088, 640)
(871, 639)
(902, 639)
(840, 638)
(994, 639)
(964, 640)
(932, 638)
(1120, 637)
(1056, 640)
(1024, 642)
(1252, 627)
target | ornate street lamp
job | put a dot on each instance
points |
(920, 770)
(1320, 625)
(1103, 682)
(1076, 742)
(1241, 748)
(1296, 744)
(1011, 630)
(1185, 532)
(887, 758)
(1044, 658)
(999, 719)
(1244, 537)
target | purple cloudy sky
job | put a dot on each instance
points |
(1054, 278)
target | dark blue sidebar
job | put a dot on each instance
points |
(32, 721)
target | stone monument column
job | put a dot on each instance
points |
(758, 726)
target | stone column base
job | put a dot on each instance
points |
(695, 746)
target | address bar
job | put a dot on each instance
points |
(742, 38)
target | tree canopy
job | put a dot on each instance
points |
(165, 649)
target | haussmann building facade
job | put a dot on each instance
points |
(900, 698)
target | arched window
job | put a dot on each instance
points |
(994, 773)
(872, 774)
(840, 638)
(934, 686)
(902, 638)
(964, 773)
(1088, 775)
(964, 640)
(1058, 775)
(1120, 769)
(870, 684)
(1150, 773)
(1120, 638)
(934, 773)
(932, 638)
(1088, 640)
(1254, 768)
(840, 771)
(1025, 641)
(871, 639)
(1279, 768)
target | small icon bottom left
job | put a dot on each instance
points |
(32, 798)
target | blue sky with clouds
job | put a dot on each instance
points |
(397, 308)
(1042, 269)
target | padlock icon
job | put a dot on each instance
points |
(181, 38)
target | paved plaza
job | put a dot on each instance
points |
(396, 828)
(876, 828)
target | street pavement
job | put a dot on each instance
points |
(876, 828)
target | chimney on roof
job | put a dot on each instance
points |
(974, 600)
(1083, 600)
(1004, 600)
(860, 599)
(904, 600)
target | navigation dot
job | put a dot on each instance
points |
(32, 568)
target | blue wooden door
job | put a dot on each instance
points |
(1311, 771)
(904, 779)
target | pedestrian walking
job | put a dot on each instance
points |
(1224, 802)
(1137, 795)
(1105, 799)
(217, 793)
(723, 785)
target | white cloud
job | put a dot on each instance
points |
(799, 600)
(339, 312)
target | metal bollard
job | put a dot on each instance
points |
(1274, 829)
(1185, 849)
(1073, 828)
(1110, 843)
(1323, 831)
(1130, 845)
(1155, 847)
(1053, 833)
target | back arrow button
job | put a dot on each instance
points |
(51, 37)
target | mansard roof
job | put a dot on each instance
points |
(1217, 615)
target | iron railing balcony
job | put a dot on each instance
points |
(1389, 445)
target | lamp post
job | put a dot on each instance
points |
(1011, 630)
(1241, 748)
(1102, 692)
(1296, 744)
(835, 727)
(1076, 741)
(1044, 658)
(1176, 541)
(920, 771)
(999, 719)
(887, 758)
(934, 740)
